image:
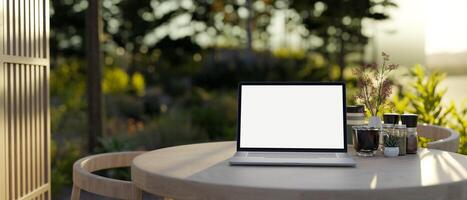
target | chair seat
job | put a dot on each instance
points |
(443, 138)
(84, 179)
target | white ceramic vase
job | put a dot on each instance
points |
(374, 122)
(391, 151)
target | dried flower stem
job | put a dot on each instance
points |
(373, 92)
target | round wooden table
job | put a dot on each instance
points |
(202, 171)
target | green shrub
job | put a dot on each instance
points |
(62, 164)
(424, 97)
(460, 125)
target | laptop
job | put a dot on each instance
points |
(283, 123)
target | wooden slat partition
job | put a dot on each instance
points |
(25, 24)
(24, 100)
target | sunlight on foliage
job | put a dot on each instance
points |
(115, 81)
(138, 84)
(289, 53)
(460, 125)
(424, 97)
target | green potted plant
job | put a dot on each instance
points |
(391, 146)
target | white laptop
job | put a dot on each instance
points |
(283, 123)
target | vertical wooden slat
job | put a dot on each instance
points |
(23, 26)
(16, 27)
(41, 128)
(45, 39)
(26, 28)
(15, 131)
(6, 119)
(22, 129)
(20, 27)
(34, 25)
(10, 30)
(6, 30)
(4, 139)
(38, 130)
(37, 27)
(37, 125)
(33, 126)
(31, 27)
(39, 31)
(3, 136)
(3, 18)
(44, 127)
(46, 124)
(8, 130)
(47, 134)
(28, 127)
(11, 141)
(25, 127)
(13, 27)
(3, 13)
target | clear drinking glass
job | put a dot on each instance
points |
(365, 140)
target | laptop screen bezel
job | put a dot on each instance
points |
(239, 100)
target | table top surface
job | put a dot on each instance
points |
(206, 165)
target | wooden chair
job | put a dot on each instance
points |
(444, 139)
(84, 179)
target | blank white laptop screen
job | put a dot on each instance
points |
(292, 116)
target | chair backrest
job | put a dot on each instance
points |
(83, 178)
(444, 139)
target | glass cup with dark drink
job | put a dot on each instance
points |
(365, 140)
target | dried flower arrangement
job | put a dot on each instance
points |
(373, 84)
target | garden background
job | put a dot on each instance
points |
(171, 68)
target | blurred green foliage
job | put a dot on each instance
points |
(424, 97)
(63, 159)
(460, 125)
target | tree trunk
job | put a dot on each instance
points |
(249, 35)
(94, 72)
(341, 58)
(249, 26)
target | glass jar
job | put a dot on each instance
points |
(400, 131)
(355, 117)
(387, 129)
(410, 120)
(365, 140)
(412, 141)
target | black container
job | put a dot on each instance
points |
(391, 118)
(355, 117)
(410, 120)
(355, 109)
